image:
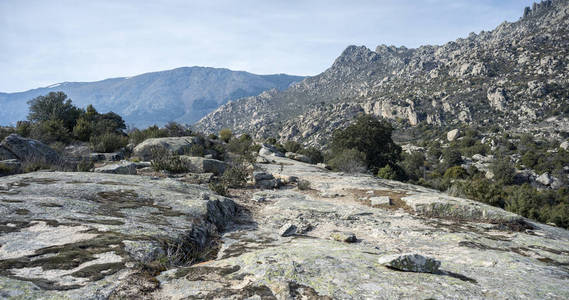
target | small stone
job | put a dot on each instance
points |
(382, 200)
(124, 167)
(564, 145)
(259, 199)
(287, 229)
(346, 237)
(544, 179)
(411, 262)
(260, 176)
(453, 135)
(204, 196)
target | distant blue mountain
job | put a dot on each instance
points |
(183, 95)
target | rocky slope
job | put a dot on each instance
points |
(86, 236)
(514, 76)
(183, 95)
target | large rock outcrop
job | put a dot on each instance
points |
(175, 145)
(82, 235)
(29, 150)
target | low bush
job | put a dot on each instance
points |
(108, 142)
(163, 160)
(349, 161)
(456, 172)
(314, 154)
(218, 188)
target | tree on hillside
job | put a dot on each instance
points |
(371, 137)
(54, 106)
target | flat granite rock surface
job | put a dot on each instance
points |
(102, 224)
(79, 235)
(485, 252)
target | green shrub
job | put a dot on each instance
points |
(456, 172)
(271, 141)
(85, 166)
(481, 190)
(218, 188)
(303, 185)
(314, 154)
(82, 130)
(504, 171)
(349, 161)
(196, 150)
(414, 165)
(225, 134)
(212, 136)
(370, 137)
(108, 142)
(54, 107)
(50, 131)
(176, 129)
(451, 158)
(235, 176)
(24, 128)
(387, 172)
(6, 131)
(137, 136)
(292, 146)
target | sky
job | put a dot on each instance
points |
(51, 41)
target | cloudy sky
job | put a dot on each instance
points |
(50, 41)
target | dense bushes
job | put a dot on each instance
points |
(108, 142)
(371, 137)
(349, 161)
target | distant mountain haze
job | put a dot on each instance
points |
(183, 95)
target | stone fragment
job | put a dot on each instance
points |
(323, 166)
(287, 229)
(260, 176)
(298, 157)
(453, 135)
(381, 200)
(269, 184)
(341, 236)
(564, 145)
(545, 179)
(205, 165)
(411, 262)
(124, 167)
(269, 150)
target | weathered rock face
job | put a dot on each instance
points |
(296, 245)
(205, 165)
(124, 167)
(80, 235)
(30, 149)
(176, 145)
(6, 154)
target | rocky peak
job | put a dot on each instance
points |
(538, 8)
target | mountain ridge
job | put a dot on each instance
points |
(182, 94)
(513, 74)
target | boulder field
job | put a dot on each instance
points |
(99, 236)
